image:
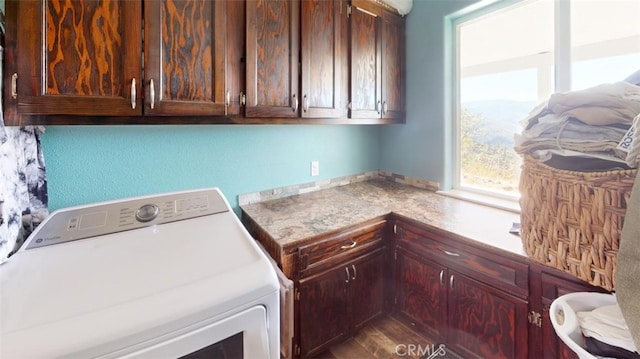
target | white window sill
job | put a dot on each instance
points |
(504, 204)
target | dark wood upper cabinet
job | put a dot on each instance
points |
(78, 57)
(366, 90)
(85, 57)
(185, 57)
(273, 38)
(377, 63)
(297, 63)
(235, 49)
(393, 67)
(203, 61)
(324, 58)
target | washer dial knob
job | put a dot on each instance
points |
(147, 213)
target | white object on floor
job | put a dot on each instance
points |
(607, 325)
(565, 321)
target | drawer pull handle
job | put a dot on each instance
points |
(349, 246)
(348, 275)
(355, 272)
(453, 254)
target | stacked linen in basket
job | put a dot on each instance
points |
(587, 130)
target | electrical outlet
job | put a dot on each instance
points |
(315, 168)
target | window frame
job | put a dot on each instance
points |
(562, 82)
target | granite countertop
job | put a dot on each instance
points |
(292, 220)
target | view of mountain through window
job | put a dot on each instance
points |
(512, 59)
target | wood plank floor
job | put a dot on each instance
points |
(387, 338)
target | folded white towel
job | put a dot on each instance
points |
(607, 325)
(610, 315)
(599, 105)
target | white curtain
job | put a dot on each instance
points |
(23, 183)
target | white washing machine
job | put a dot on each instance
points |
(164, 276)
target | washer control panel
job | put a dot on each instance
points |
(122, 215)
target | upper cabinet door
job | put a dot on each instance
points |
(393, 67)
(366, 97)
(324, 50)
(273, 38)
(236, 64)
(78, 57)
(185, 57)
(377, 63)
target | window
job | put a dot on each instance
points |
(509, 56)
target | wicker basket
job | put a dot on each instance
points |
(572, 220)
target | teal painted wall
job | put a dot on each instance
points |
(88, 164)
(420, 148)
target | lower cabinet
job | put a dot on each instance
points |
(323, 310)
(336, 303)
(420, 295)
(477, 301)
(341, 281)
(471, 318)
(480, 303)
(485, 322)
(548, 284)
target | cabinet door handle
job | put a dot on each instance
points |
(14, 86)
(442, 277)
(348, 275)
(305, 103)
(378, 107)
(295, 103)
(152, 90)
(349, 246)
(384, 107)
(243, 99)
(355, 272)
(451, 282)
(453, 254)
(535, 318)
(227, 102)
(133, 93)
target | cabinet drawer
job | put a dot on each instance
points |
(341, 246)
(491, 269)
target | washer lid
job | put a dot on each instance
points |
(128, 286)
